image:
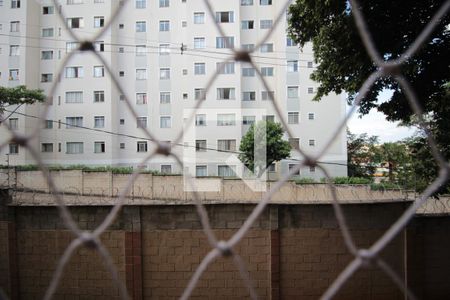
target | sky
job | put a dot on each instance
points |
(374, 123)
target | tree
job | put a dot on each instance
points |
(395, 155)
(361, 153)
(343, 62)
(19, 95)
(276, 148)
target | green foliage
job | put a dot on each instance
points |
(343, 62)
(361, 153)
(383, 186)
(85, 168)
(276, 148)
(305, 180)
(395, 155)
(349, 180)
(19, 95)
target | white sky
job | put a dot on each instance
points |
(374, 123)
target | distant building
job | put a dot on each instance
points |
(143, 49)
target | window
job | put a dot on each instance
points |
(294, 142)
(248, 72)
(246, 2)
(265, 48)
(99, 147)
(48, 10)
(248, 47)
(310, 64)
(226, 120)
(75, 22)
(13, 123)
(199, 69)
(290, 42)
(201, 171)
(141, 3)
(265, 24)
(200, 120)
(46, 77)
(121, 73)
(225, 67)
(310, 90)
(226, 145)
(141, 74)
(121, 26)
(269, 118)
(271, 168)
(267, 95)
(185, 96)
(99, 22)
(141, 122)
(225, 94)
(267, 71)
(199, 43)
(74, 72)
(74, 97)
(141, 26)
(312, 169)
(47, 147)
(200, 145)
(226, 171)
(74, 148)
(13, 74)
(47, 32)
(164, 97)
(247, 24)
(15, 3)
(292, 66)
(166, 169)
(14, 50)
(224, 17)
(72, 122)
(141, 50)
(292, 91)
(265, 2)
(141, 146)
(248, 120)
(164, 49)
(122, 145)
(293, 117)
(164, 26)
(165, 122)
(199, 18)
(225, 42)
(14, 26)
(164, 3)
(248, 96)
(311, 116)
(48, 124)
(47, 55)
(99, 121)
(99, 46)
(199, 94)
(122, 121)
(13, 148)
(141, 98)
(292, 166)
(312, 143)
(70, 46)
(164, 73)
(99, 96)
(74, 2)
(99, 71)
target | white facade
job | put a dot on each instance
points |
(143, 49)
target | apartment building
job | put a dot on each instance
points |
(163, 53)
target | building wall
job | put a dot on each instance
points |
(291, 252)
(120, 42)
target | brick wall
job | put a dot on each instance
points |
(292, 252)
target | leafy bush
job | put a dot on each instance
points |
(349, 180)
(305, 180)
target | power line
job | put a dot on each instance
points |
(151, 140)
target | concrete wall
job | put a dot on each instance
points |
(99, 188)
(291, 252)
